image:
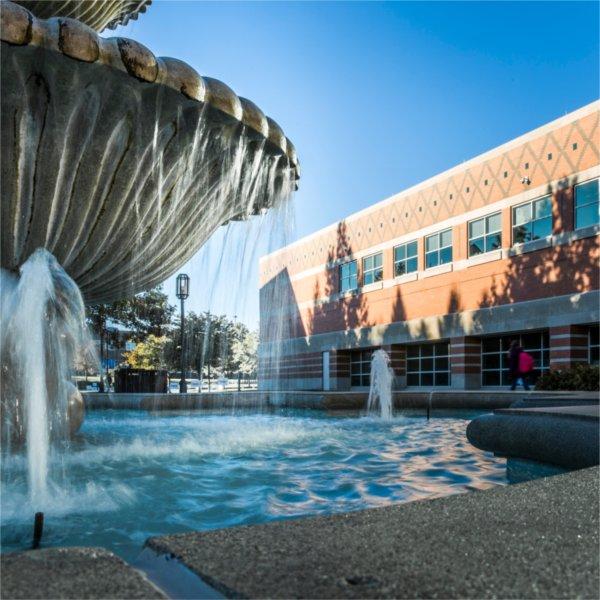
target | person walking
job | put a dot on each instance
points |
(514, 353)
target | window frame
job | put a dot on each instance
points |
(435, 356)
(575, 207)
(439, 248)
(486, 234)
(531, 222)
(542, 351)
(406, 258)
(348, 264)
(360, 366)
(374, 269)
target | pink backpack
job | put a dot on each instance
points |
(525, 362)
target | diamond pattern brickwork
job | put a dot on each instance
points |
(542, 158)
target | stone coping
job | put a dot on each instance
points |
(98, 15)
(75, 40)
(72, 573)
(537, 539)
(450, 399)
(565, 436)
(585, 412)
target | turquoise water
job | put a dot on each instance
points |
(130, 475)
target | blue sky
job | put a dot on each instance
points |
(379, 96)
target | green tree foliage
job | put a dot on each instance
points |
(148, 313)
(213, 343)
(148, 354)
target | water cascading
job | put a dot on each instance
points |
(43, 331)
(116, 167)
(380, 391)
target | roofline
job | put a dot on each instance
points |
(564, 120)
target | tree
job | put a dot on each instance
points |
(148, 313)
(148, 354)
(213, 344)
(244, 352)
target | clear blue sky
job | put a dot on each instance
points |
(379, 96)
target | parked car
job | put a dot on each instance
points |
(173, 387)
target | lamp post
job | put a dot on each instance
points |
(182, 292)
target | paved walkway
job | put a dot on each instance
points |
(71, 573)
(533, 540)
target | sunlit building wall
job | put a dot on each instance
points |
(445, 274)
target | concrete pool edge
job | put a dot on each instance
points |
(566, 436)
(437, 399)
(536, 539)
(72, 572)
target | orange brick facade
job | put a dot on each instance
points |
(312, 332)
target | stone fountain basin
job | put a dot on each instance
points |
(119, 163)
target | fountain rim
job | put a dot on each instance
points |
(75, 40)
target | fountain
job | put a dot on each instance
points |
(117, 166)
(380, 392)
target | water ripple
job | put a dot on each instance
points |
(130, 475)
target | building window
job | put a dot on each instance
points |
(360, 368)
(348, 277)
(372, 269)
(405, 259)
(532, 220)
(438, 248)
(428, 364)
(594, 345)
(586, 204)
(494, 356)
(485, 234)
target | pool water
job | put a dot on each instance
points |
(130, 475)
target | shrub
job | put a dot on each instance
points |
(581, 378)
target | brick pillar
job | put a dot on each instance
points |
(507, 227)
(339, 370)
(568, 346)
(562, 208)
(421, 254)
(397, 354)
(465, 362)
(459, 242)
(388, 263)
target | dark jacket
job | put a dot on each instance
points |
(513, 359)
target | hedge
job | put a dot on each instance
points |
(581, 378)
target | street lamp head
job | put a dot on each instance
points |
(182, 286)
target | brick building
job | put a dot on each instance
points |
(446, 273)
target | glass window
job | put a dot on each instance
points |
(372, 269)
(428, 364)
(485, 234)
(494, 358)
(348, 276)
(587, 209)
(532, 220)
(405, 259)
(438, 248)
(360, 368)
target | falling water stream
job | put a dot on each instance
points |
(43, 329)
(380, 392)
(42, 318)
